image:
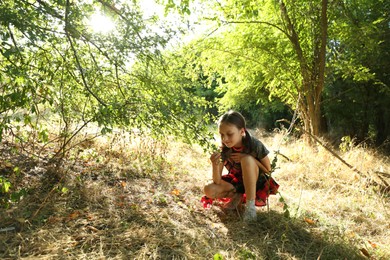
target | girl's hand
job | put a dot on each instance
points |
(215, 158)
(236, 157)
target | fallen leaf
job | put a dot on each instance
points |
(73, 215)
(373, 244)
(365, 252)
(175, 192)
(54, 220)
(309, 221)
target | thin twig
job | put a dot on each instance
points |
(15, 44)
(284, 156)
(62, 149)
(257, 22)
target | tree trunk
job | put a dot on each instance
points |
(313, 76)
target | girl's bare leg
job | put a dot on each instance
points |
(250, 174)
(222, 190)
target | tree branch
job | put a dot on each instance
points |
(293, 36)
(258, 22)
(77, 58)
(15, 43)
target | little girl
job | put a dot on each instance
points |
(247, 162)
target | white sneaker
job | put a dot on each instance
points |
(250, 212)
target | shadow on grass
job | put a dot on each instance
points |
(72, 229)
(100, 218)
(273, 236)
(97, 220)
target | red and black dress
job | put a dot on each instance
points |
(265, 184)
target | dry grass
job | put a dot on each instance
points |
(126, 197)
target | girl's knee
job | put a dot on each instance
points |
(209, 190)
(248, 161)
(249, 167)
(206, 188)
(221, 190)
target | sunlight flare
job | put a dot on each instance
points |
(100, 23)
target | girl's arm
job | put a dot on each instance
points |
(263, 164)
(215, 159)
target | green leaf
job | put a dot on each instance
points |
(16, 170)
(27, 119)
(5, 184)
(43, 136)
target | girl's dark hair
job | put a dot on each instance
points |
(235, 118)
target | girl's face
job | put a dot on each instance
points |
(231, 136)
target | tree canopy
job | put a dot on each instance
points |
(298, 52)
(52, 62)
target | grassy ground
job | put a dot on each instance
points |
(125, 197)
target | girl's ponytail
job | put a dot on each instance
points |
(247, 141)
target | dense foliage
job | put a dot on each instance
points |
(52, 63)
(327, 59)
(357, 95)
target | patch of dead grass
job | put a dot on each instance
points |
(319, 187)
